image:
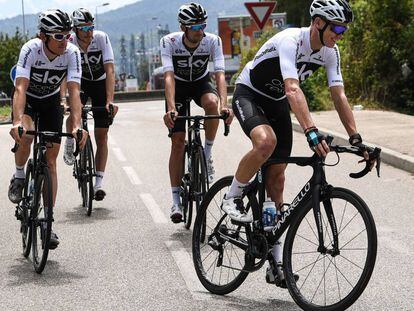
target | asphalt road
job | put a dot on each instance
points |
(129, 256)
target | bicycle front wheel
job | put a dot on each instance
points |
(42, 216)
(220, 265)
(24, 210)
(185, 191)
(200, 176)
(331, 280)
(86, 169)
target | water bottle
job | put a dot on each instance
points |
(269, 215)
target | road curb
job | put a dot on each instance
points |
(391, 157)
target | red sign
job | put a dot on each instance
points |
(260, 11)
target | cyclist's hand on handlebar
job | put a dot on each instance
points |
(356, 140)
(82, 142)
(168, 120)
(229, 113)
(317, 141)
(16, 134)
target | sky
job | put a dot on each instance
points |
(11, 8)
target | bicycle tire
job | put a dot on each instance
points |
(185, 191)
(25, 226)
(201, 184)
(87, 177)
(211, 207)
(42, 227)
(354, 254)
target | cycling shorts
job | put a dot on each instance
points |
(253, 109)
(50, 113)
(187, 91)
(96, 91)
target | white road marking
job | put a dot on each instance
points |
(184, 262)
(133, 177)
(156, 213)
(119, 154)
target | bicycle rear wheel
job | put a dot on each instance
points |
(86, 171)
(331, 281)
(218, 263)
(42, 216)
(24, 210)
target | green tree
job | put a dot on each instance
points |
(9, 54)
(297, 11)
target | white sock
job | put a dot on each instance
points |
(70, 141)
(207, 148)
(99, 178)
(236, 189)
(277, 252)
(20, 172)
(176, 195)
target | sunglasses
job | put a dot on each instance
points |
(87, 28)
(338, 29)
(197, 27)
(59, 36)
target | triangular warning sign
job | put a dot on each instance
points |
(260, 11)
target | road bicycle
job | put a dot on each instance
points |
(195, 183)
(35, 210)
(329, 249)
(84, 168)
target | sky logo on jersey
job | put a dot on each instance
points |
(199, 63)
(46, 78)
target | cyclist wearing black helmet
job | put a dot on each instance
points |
(43, 63)
(270, 84)
(98, 83)
(185, 56)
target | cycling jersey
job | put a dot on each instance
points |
(99, 53)
(44, 75)
(189, 66)
(288, 54)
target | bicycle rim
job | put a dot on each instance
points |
(219, 275)
(185, 191)
(25, 211)
(329, 282)
(42, 212)
(89, 178)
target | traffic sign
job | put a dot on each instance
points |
(13, 73)
(260, 11)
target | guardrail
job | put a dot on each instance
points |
(130, 96)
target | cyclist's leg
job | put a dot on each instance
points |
(176, 163)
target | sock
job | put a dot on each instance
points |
(99, 178)
(236, 189)
(20, 172)
(277, 252)
(207, 148)
(176, 195)
(70, 141)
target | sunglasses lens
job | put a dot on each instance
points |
(198, 27)
(338, 29)
(87, 28)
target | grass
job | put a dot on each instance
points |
(5, 112)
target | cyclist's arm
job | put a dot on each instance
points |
(344, 111)
(109, 82)
(221, 88)
(75, 103)
(170, 90)
(19, 99)
(63, 91)
(218, 59)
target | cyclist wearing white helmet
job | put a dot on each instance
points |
(185, 57)
(269, 86)
(43, 63)
(98, 83)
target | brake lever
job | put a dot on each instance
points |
(226, 126)
(79, 135)
(374, 155)
(16, 145)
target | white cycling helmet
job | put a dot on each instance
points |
(82, 16)
(332, 10)
(54, 21)
(190, 14)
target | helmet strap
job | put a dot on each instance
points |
(47, 47)
(321, 32)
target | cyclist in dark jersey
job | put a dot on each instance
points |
(185, 57)
(270, 84)
(98, 83)
(43, 63)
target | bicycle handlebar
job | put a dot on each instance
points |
(223, 117)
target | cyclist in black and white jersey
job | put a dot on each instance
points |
(43, 63)
(185, 56)
(98, 83)
(270, 84)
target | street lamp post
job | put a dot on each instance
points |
(96, 12)
(24, 25)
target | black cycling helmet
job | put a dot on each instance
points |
(332, 10)
(82, 16)
(190, 14)
(54, 21)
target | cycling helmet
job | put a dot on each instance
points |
(82, 16)
(332, 10)
(190, 14)
(54, 21)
